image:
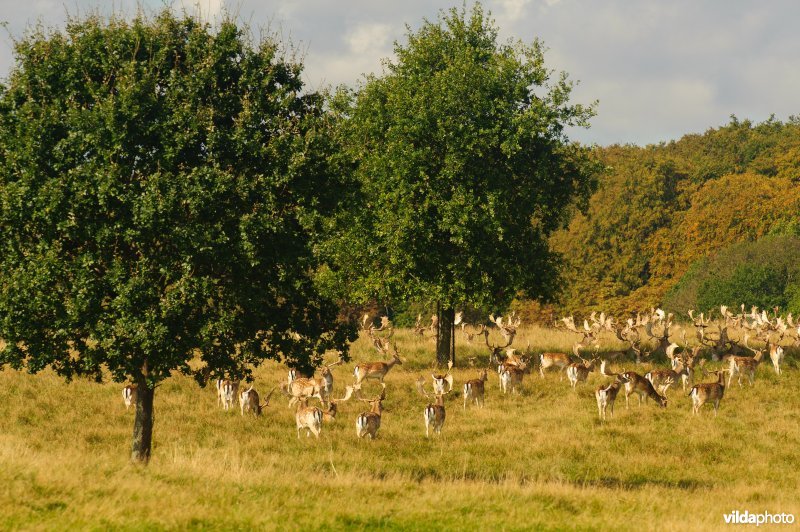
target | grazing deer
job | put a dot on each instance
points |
(607, 395)
(662, 379)
(744, 365)
(708, 391)
(555, 360)
(440, 382)
(579, 371)
(130, 393)
(227, 391)
(248, 401)
(434, 412)
(637, 384)
(302, 387)
(309, 418)
(474, 389)
(377, 370)
(368, 423)
(511, 377)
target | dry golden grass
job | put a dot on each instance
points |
(538, 460)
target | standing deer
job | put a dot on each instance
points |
(434, 413)
(556, 360)
(607, 395)
(368, 423)
(746, 365)
(579, 371)
(708, 391)
(248, 401)
(642, 387)
(440, 382)
(130, 393)
(309, 418)
(511, 376)
(474, 389)
(377, 370)
(227, 391)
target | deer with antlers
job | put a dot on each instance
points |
(705, 392)
(474, 389)
(434, 412)
(662, 379)
(324, 382)
(744, 365)
(579, 371)
(607, 395)
(496, 355)
(249, 401)
(440, 382)
(377, 370)
(368, 423)
(642, 387)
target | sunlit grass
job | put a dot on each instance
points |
(540, 459)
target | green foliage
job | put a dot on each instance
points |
(765, 273)
(160, 188)
(464, 169)
(659, 209)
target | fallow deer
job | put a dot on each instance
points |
(443, 383)
(249, 401)
(511, 376)
(368, 423)
(607, 395)
(744, 365)
(434, 412)
(579, 371)
(555, 360)
(642, 387)
(130, 394)
(474, 389)
(227, 392)
(377, 370)
(704, 392)
(309, 418)
(302, 387)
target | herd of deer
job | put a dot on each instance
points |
(512, 365)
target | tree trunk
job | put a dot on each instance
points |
(143, 423)
(444, 338)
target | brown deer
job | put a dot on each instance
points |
(309, 418)
(368, 423)
(708, 392)
(248, 401)
(511, 376)
(474, 389)
(642, 387)
(130, 394)
(607, 395)
(553, 360)
(227, 391)
(579, 371)
(434, 412)
(440, 382)
(377, 370)
(744, 365)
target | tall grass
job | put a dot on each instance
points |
(540, 459)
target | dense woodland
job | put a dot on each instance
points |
(661, 211)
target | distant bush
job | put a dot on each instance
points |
(765, 273)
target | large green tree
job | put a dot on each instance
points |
(465, 168)
(160, 188)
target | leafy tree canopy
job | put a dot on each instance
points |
(160, 188)
(464, 168)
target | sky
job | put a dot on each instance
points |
(659, 69)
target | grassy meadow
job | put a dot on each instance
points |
(541, 459)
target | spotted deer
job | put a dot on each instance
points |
(309, 418)
(606, 395)
(130, 393)
(377, 370)
(443, 383)
(249, 401)
(559, 361)
(368, 423)
(474, 389)
(744, 365)
(705, 392)
(302, 388)
(227, 392)
(511, 376)
(579, 371)
(434, 413)
(642, 387)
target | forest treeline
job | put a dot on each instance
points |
(663, 210)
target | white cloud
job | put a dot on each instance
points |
(369, 38)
